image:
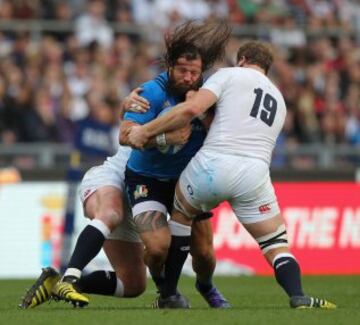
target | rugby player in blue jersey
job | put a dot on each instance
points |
(151, 174)
(102, 197)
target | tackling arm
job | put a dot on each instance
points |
(179, 116)
(182, 113)
(178, 136)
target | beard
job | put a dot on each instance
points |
(179, 89)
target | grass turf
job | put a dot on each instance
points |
(255, 300)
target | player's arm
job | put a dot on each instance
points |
(134, 102)
(149, 94)
(207, 118)
(178, 136)
(178, 117)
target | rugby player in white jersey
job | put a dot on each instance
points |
(101, 192)
(233, 164)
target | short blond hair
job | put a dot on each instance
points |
(256, 52)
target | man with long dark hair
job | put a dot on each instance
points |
(151, 174)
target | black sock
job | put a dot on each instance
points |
(178, 252)
(98, 282)
(287, 273)
(204, 287)
(88, 245)
(158, 280)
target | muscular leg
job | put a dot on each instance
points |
(202, 251)
(155, 234)
(201, 248)
(275, 249)
(271, 236)
(129, 278)
(105, 209)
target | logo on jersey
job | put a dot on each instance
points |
(264, 208)
(166, 105)
(141, 191)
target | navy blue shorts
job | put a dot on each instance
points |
(142, 189)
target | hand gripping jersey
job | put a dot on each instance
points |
(249, 115)
(162, 163)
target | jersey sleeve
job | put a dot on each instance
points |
(155, 95)
(217, 82)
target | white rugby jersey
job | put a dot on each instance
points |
(119, 160)
(249, 115)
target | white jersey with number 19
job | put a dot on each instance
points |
(244, 125)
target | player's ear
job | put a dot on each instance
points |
(241, 61)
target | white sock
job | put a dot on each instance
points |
(119, 291)
(72, 272)
(178, 229)
(101, 226)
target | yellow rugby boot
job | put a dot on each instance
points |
(306, 302)
(40, 291)
(66, 291)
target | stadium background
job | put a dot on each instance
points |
(65, 66)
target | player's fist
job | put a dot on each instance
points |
(137, 137)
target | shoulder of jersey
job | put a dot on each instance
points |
(158, 83)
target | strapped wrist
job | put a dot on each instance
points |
(161, 140)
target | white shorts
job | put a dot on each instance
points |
(245, 183)
(108, 175)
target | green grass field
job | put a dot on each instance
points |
(256, 300)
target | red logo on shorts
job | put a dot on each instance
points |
(87, 193)
(264, 208)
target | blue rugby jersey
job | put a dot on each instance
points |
(152, 162)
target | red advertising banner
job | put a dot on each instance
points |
(323, 224)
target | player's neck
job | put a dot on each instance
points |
(253, 66)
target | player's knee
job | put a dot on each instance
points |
(158, 251)
(110, 216)
(134, 287)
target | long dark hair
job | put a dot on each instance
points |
(194, 39)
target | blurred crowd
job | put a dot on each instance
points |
(50, 83)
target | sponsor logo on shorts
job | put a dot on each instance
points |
(185, 248)
(87, 193)
(190, 190)
(141, 191)
(264, 208)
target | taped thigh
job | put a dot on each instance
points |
(276, 239)
(180, 207)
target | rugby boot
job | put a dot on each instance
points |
(305, 302)
(66, 291)
(176, 301)
(213, 297)
(40, 291)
